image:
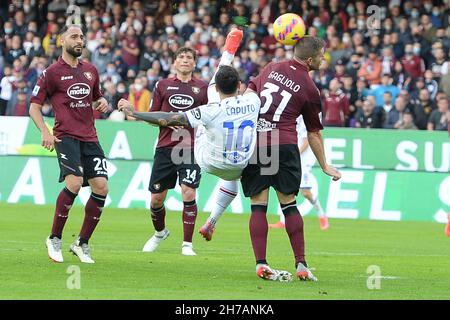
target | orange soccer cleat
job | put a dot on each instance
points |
(233, 41)
(278, 225)
(447, 228)
(207, 231)
(324, 223)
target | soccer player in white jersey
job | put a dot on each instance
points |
(307, 161)
(226, 134)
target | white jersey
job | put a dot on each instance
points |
(226, 134)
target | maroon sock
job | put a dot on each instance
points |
(189, 216)
(63, 205)
(93, 211)
(259, 229)
(294, 229)
(158, 218)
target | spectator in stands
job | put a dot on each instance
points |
(335, 105)
(407, 122)
(431, 84)
(386, 86)
(413, 64)
(422, 109)
(20, 107)
(369, 116)
(130, 49)
(438, 117)
(371, 69)
(444, 83)
(401, 79)
(394, 118)
(139, 96)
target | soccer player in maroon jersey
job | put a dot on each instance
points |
(73, 88)
(174, 155)
(286, 91)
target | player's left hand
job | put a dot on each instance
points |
(125, 106)
(332, 172)
(101, 105)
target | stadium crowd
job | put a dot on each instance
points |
(391, 72)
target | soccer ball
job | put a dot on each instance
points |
(288, 29)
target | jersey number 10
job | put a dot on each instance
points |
(241, 144)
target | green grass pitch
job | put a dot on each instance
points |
(413, 258)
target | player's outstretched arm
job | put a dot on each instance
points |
(162, 119)
(316, 142)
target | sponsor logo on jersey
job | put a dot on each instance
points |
(88, 75)
(196, 113)
(181, 101)
(172, 88)
(264, 125)
(66, 77)
(78, 91)
(196, 90)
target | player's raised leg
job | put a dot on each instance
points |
(93, 212)
(64, 203)
(323, 219)
(158, 214)
(227, 192)
(447, 228)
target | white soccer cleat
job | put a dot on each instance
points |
(304, 274)
(154, 241)
(82, 252)
(54, 249)
(187, 249)
(267, 273)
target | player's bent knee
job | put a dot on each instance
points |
(187, 193)
(74, 183)
(157, 200)
(99, 186)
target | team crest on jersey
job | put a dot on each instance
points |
(196, 90)
(88, 75)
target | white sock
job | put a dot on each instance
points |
(227, 192)
(280, 213)
(188, 244)
(226, 59)
(318, 207)
(160, 233)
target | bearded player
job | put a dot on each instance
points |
(73, 88)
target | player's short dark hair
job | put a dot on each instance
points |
(308, 47)
(184, 50)
(68, 26)
(227, 79)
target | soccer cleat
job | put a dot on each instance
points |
(278, 225)
(81, 251)
(323, 223)
(304, 274)
(207, 231)
(447, 229)
(267, 273)
(187, 250)
(233, 41)
(154, 241)
(54, 249)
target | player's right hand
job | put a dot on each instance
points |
(125, 106)
(332, 172)
(48, 141)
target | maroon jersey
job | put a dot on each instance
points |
(172, 95)
(286, 91)
(71, 92)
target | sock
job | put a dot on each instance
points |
(158, 219)
(189, 216)
(294, 229)
(93, 211)
(227, 192)
(63, 204)
(226, 59)
(281, 216)
(258, 231)
(318, 207)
